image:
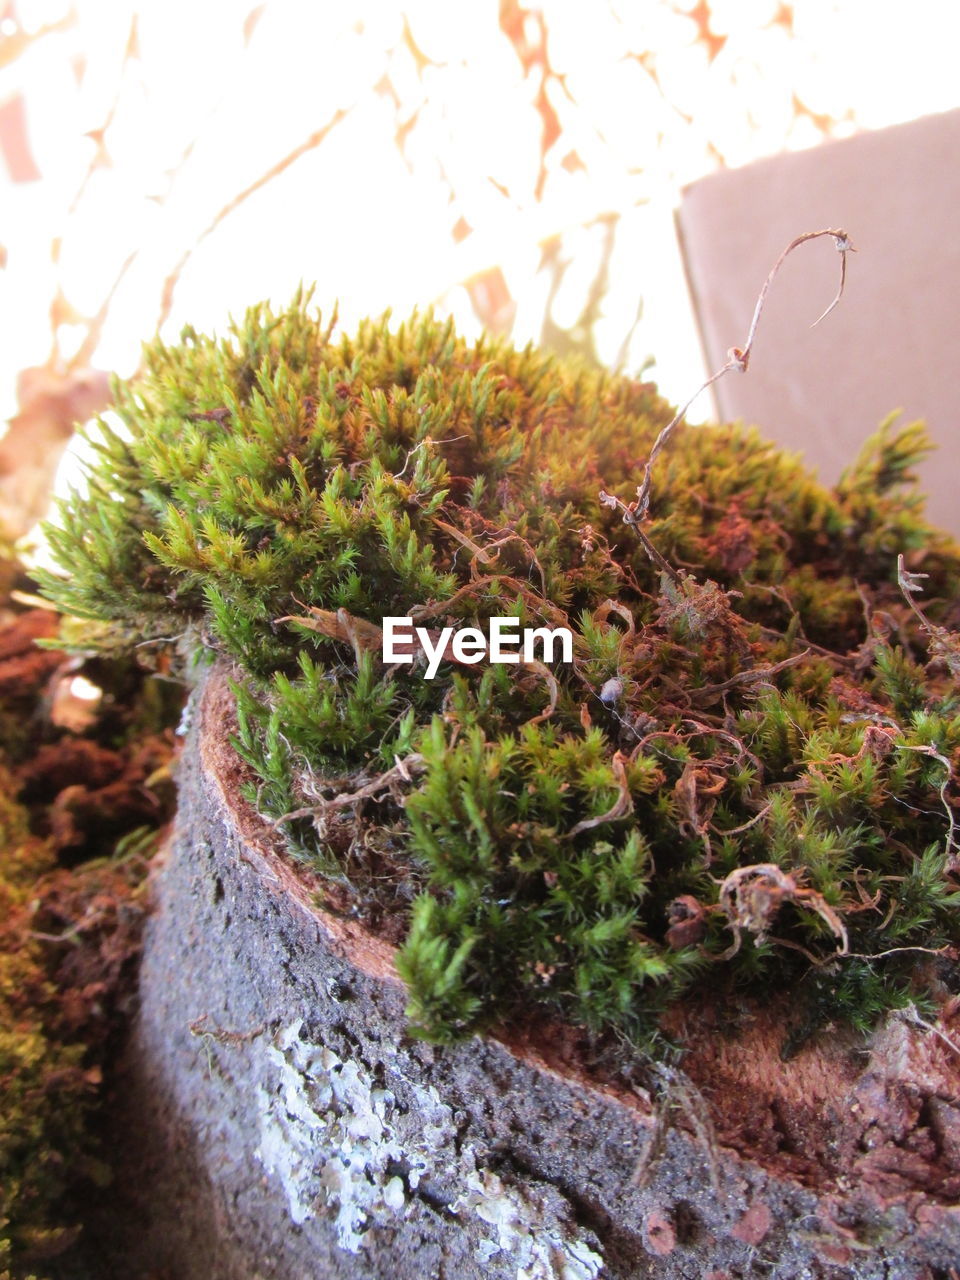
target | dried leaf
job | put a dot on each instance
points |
(623, 806)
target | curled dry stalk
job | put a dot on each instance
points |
(911, 1015)
(678, 1096)
(402, 771)
(750, 898)
(945, 647)
(738, 358)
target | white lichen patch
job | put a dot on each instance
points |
(325, 1133)
(336, 1140)
(526, 1230)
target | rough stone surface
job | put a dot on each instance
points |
(281, 1125)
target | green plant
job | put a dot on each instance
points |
(79, 779)
(42, 1144)
(590, 837)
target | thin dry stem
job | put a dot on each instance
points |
(678, 1093)
(402, 771)
(895, 951)
(751, 676)
(738, 358)
(910, 1014)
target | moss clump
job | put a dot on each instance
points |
(44, 1089)
(578, 836)
(69, 940)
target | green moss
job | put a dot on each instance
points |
(68, 937)
(44, 1089)
(568, 838)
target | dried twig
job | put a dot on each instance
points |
(909, 1014)
(948, 808)
(339, 625)
(199, 1027)
(678, 1093)
(945, 646)
(750, 676)
(630, 517)
(402, 771)
(482, 554)
(911, 584)
(744, 826)
(895, 951)
(100, 159)
(738, 358)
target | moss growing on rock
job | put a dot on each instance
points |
(746, 774)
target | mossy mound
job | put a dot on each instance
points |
(745, 777)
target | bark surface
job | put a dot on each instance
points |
(278, 1122)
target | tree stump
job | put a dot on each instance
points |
(281, 1122)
